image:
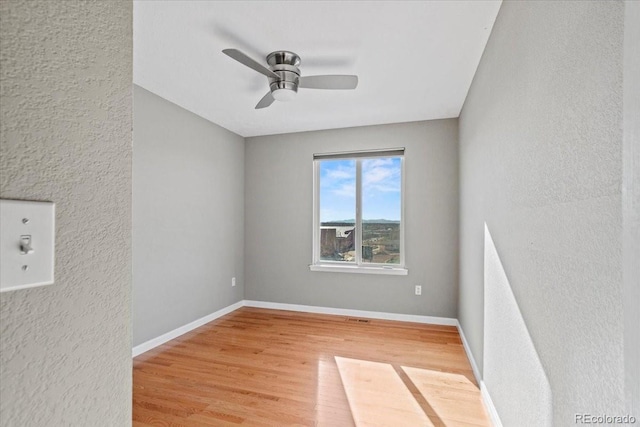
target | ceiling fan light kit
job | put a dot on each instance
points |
(285, 65)
(285, 78)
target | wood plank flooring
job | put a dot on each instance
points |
(259, 367)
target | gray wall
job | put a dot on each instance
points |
(541, 164)
(278, 225)
(188, 217)
(65, 126)
(631, 202)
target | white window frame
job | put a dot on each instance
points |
(358, 266)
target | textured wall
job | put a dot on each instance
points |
(541, 164)
(509, 354)
(65, 117)
(278, 225)
(188, 216)
(631, 203)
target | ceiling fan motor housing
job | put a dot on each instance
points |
(285, 65)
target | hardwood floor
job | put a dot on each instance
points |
(259, 367)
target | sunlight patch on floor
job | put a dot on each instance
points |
(377, 396)
(455, 399)
(331, 410)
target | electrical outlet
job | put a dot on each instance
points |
(418, 290)
(233, 281)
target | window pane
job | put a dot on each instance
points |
(337, 210)
(381, 210)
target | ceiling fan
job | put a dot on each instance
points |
(284, 76)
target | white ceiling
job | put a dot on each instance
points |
(415, 60)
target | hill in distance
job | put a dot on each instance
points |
(364, 221)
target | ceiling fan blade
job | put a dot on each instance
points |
(245, 60)
(329, 82)
(265, 101)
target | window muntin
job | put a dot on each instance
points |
(358, 209)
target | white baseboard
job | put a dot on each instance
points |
(155, 342)
(488, 404)
(467, 349)
(355, 313)
(486, 397)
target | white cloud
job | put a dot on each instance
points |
(340, 174)
(340, 180)
(345, 190)
(374, 163)
(381, 175)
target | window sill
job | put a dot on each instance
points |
(394, 271)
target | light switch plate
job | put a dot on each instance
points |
(24, 224)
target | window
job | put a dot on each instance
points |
(358, 208)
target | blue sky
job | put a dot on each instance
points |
(381, 184)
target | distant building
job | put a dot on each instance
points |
(335, 241)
